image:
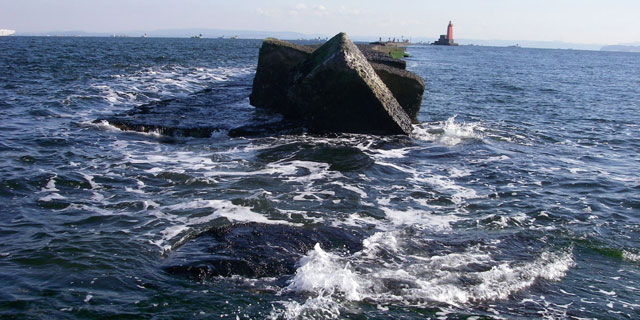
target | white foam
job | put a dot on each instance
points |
(317, 307)
(180, 223)
(357, 220)
(608, 293)
(323, 271)
(449, 133)
(459, 173)
(154, 83)
(454, 132)
(442, 183)
(421, 132)
(89, 179)
(222, 208)
(383, 272)
(412, 217)
(51, 197)
(630, 256)
(353, 188)
(384, 154)
(132, 190)
(51, 185)
(379, 241)
(97, 197)
(577, 170)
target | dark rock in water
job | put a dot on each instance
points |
(336, 90)
(406, 87)
(207, 113)
(284, 127)
(255, 250)
(279, 76)
(198, 115)
(193, 132)
(276, 61)
(339, 158)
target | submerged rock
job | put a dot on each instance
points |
(283, 127)
(202, 114)
(255, 250)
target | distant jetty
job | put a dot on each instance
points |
(446, 40)
(6, 32)
(395, 49)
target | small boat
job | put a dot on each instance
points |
(197, 37)
(234, 37)
(6, 32)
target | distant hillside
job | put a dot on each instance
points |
(177, 33)
(621, 48)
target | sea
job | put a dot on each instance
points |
(516, 197)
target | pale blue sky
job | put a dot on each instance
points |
(579, 21)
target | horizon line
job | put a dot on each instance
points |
(299, 36)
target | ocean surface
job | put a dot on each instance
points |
(518, 196)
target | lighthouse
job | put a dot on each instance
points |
(446, 40)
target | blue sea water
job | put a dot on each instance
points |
(518, 195)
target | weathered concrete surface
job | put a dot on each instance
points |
(276, 61)
(406, 87)
(280, 60)
(336, 90)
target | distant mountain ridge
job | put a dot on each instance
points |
(176, 33)
(631, 47)
(290, 35)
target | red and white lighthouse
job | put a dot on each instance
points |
(450, 32)
(446, 40)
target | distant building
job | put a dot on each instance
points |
(446, 40)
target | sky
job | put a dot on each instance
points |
(576, 21)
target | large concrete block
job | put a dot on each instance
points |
(336, 90)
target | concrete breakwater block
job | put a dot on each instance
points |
(334, 88)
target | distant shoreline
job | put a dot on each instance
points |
(258, 35)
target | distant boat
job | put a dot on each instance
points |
(6, 32)
(197, 37)
(234, 37)
(144, 36)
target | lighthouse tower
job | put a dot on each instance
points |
(446, 40)
(450, 32)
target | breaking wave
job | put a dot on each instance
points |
(387, 272)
